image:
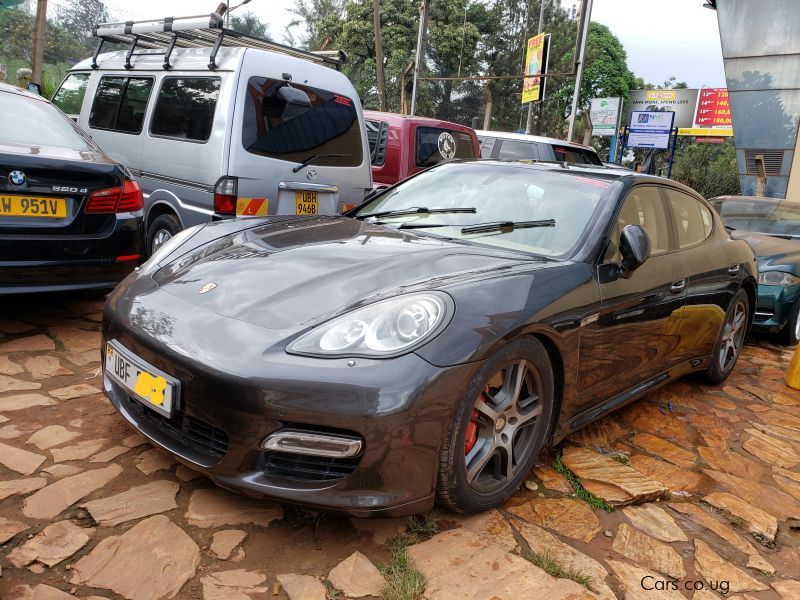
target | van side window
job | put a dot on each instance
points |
(185, 108)
(292, 122)
(378, 138)
(69, 96)
(120, 104)
(515, 150)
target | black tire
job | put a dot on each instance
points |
(790, 334)
(725, 355)
(163, 225)
(456, 491)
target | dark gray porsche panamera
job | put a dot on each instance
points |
(426, 346)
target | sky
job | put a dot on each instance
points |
(678, 37)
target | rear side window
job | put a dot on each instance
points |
(487, 144)
(185, 108)
(580, 156)
(692, 220)
(434, 144)
(515, 150)
(293, 122)
(378, 139)
(69, 96)
(643, 206)
(120, 104)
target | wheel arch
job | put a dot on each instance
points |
(557, 363)
(158, 208)
(749, 287)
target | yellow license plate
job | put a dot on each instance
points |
(306, 203)
(32, 206)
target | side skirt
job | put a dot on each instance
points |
(627, 396)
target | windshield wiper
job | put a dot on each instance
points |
(507, 226)
(311, 159)
(420, 210)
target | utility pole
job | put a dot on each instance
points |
(586, 18)
(376, 19)
(529, 122)
(38, 41)
(423, 26)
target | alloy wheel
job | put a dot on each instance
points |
(159, 237)
(500, 435)
(732, 336)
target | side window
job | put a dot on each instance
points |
(434, 145)
(516, 150)
(378, 138)
(643, 206)
(120, 104)
(69, 96)
(691, 218)
(487, 144)
(185, 108)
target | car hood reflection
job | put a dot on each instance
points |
(286, 274)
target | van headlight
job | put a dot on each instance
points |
(781, 278)
(381, 330)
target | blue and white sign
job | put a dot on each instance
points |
(650, 129)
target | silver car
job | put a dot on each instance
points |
(223, 131)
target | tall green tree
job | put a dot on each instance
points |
(250, 24)
(708, 168)
(79, 17)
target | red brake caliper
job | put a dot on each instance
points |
(472, 428)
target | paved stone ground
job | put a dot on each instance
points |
(704, 481)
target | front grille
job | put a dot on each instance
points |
(188, 431)
(300, 467)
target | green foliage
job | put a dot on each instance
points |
(249, 24)
(580, 491)
(710, 169)
(548, 563)
(403, 581)
(467, 38)
(16, 40)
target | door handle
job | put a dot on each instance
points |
(733, 270)
(678, 286)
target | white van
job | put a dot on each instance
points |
(217, 124)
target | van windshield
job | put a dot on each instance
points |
(293, 122)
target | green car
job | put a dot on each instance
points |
(772, 228)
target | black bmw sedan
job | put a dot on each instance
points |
(70, 216)
(425, 347)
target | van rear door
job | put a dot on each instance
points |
(298, 138)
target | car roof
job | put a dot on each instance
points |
(583, 169)
(525, 137)
(11, 89)
(397, 119)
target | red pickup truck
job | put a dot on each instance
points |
(401, 145)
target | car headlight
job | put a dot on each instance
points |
(778, 278)
(167, 247)
(381, 330)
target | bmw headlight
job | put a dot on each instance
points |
(381, 330)
(778, 278)
(167, 247)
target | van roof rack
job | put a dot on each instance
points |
(201, 31)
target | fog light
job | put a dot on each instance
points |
(313, 444)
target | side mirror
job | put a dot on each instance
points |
(634, 245)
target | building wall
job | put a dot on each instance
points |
(761, 51)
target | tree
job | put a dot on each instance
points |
(249, 24)
(16, 39)
(708, 168)
(79, 17)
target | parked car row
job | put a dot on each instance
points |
(481, 296)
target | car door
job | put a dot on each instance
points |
(711, 279)
(637, 332)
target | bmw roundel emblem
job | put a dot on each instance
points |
(17, 177)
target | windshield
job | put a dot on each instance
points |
(761, 215)
(37, 123)
(498, 193)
